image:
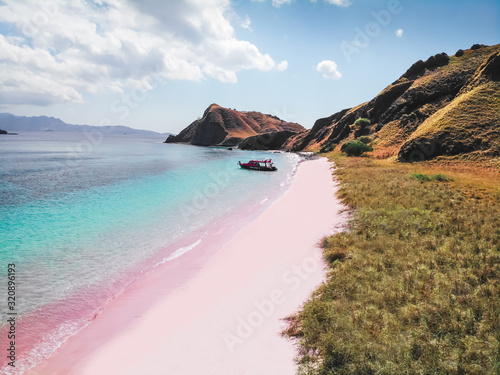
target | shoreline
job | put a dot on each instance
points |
(226, 316)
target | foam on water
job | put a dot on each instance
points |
(177, 253)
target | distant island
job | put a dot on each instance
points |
(229, 127)
(12, 123)
(6, 132)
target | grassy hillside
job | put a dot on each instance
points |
(446, 105)
(413, 284)
(470, 121)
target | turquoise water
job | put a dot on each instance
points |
(78, 211)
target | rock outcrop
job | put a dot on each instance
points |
(228, 127)
(266, 141)
(442, 106)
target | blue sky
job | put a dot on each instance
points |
(158, 64)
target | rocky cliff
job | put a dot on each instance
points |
(228, 127)
(445, 105)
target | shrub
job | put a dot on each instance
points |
(362, 122)
(355, 148)
(476, 46)
(361, 127)
(459, 53)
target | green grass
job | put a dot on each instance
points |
(414, 283)
(424, 177)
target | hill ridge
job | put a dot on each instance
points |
(229, 127)
(426, 88)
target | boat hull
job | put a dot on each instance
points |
(258, 168)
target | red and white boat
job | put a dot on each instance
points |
(259, 165)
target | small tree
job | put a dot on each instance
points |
(355, 148)
(361, 127)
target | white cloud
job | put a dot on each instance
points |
(282, 66)
(278, 3)
(61, 50)
(399, 33)
(275, 3)
(245, 23)
(340, 3)
(329, 69)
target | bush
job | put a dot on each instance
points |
(355, 148)
(476, 46)
(361, 127)
(459, 53)
(362, 122)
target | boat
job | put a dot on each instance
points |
(259, 165)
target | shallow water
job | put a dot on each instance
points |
(82, 215)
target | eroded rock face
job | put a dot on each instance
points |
(210, 131)
(266, 141)
(228, 127)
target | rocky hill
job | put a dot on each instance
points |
(446, 105)
(228, 127)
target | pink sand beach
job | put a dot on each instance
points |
(221, 313)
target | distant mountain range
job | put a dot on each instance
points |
(12, 123)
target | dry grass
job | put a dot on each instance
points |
(414, 284)
(473, 114)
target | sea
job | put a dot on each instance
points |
(84, 215)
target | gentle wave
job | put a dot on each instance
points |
(182, 251)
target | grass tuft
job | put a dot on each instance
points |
(437, 177)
